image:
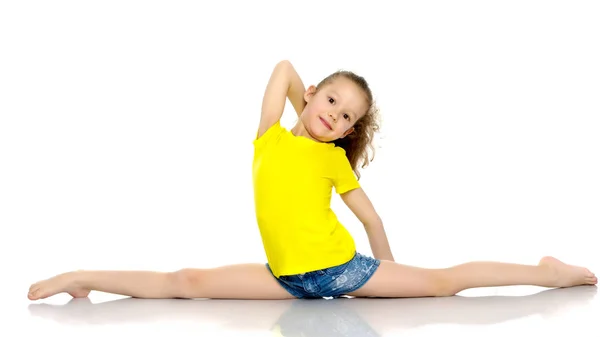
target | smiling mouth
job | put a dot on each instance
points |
(325, 123)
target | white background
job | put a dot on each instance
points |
(126, 128)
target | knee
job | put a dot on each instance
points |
(444, 285)
(185, 282)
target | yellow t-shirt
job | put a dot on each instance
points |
(293, 178)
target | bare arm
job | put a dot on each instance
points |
(296, 91)
(361, 206)
(283, 83)
(379, 242)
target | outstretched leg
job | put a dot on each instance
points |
(396, 280)
(241, 281)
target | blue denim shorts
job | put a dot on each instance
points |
(331, 282)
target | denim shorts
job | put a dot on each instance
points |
(331, 282)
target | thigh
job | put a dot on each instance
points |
(238, 281)
(396, 280)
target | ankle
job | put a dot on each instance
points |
(550, 275)
(76, 278)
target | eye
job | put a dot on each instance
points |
(331, 100)
(346, 116)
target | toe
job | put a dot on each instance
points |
(33, 294)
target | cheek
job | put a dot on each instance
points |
(312, 110)
(308, 114)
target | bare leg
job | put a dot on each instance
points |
(396, 280)
(242, 281)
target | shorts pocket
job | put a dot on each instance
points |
(336, 270)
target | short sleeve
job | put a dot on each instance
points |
(271, 133)
(345, 179)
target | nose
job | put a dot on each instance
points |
(332, 116)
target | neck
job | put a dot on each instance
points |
(299, 130)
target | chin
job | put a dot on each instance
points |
(321, 134)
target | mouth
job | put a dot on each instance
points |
(325, 123)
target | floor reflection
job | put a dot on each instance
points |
(339, 317)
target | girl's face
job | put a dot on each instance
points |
(331, 112)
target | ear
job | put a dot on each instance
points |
(309, 93)
(349, 131)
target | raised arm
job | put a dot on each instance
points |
(284, 83)
(361, 206)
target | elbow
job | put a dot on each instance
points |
(284, 63)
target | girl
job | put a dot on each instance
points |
(309, 252)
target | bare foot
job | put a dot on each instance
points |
(566, 275)
(63, 283)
